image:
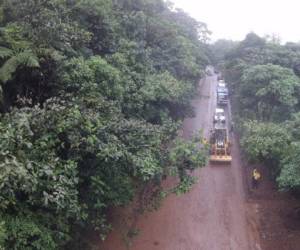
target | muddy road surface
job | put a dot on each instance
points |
(212, 216)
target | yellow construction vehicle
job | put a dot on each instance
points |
(220, 144)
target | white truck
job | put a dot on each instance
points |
(222, 93)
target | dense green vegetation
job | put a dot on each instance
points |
(92, 95)
(265, 87)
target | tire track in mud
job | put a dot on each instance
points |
(212, 216)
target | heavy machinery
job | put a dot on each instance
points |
(220, 144)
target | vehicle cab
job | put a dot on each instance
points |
(221, 86)
(219, 115)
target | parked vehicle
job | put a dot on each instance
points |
(222, 93)
(222, 99)
(221, 84)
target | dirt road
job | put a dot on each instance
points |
(213, 216)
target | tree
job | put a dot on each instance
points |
(99, 18)
(184, 158)
(265, 142)
(269, 89)
(289, 178)
(15, 52)
(263, 77)
(47, 24)
(93, 95)
(221, 48)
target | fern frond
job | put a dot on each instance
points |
(53, 53)
(23, 59)
(27, 59)
(5, 52)
(8, 68)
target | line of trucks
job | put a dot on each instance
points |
(219, 135)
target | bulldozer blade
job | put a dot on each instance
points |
(220, 158)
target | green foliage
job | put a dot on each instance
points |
(293, 125)
(162, 87)
(18, 52)
(2, 234)
(25, 170)
(81, 75)
(25, 234)
(187, 156)
(5, 52)
(220, 48)
(268, 90)
(185, 185)
(93, 93)
(265, 141)
(263, 77)
(47, 23)
(23, 59)
(289, 177)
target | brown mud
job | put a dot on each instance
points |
(221, 212)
